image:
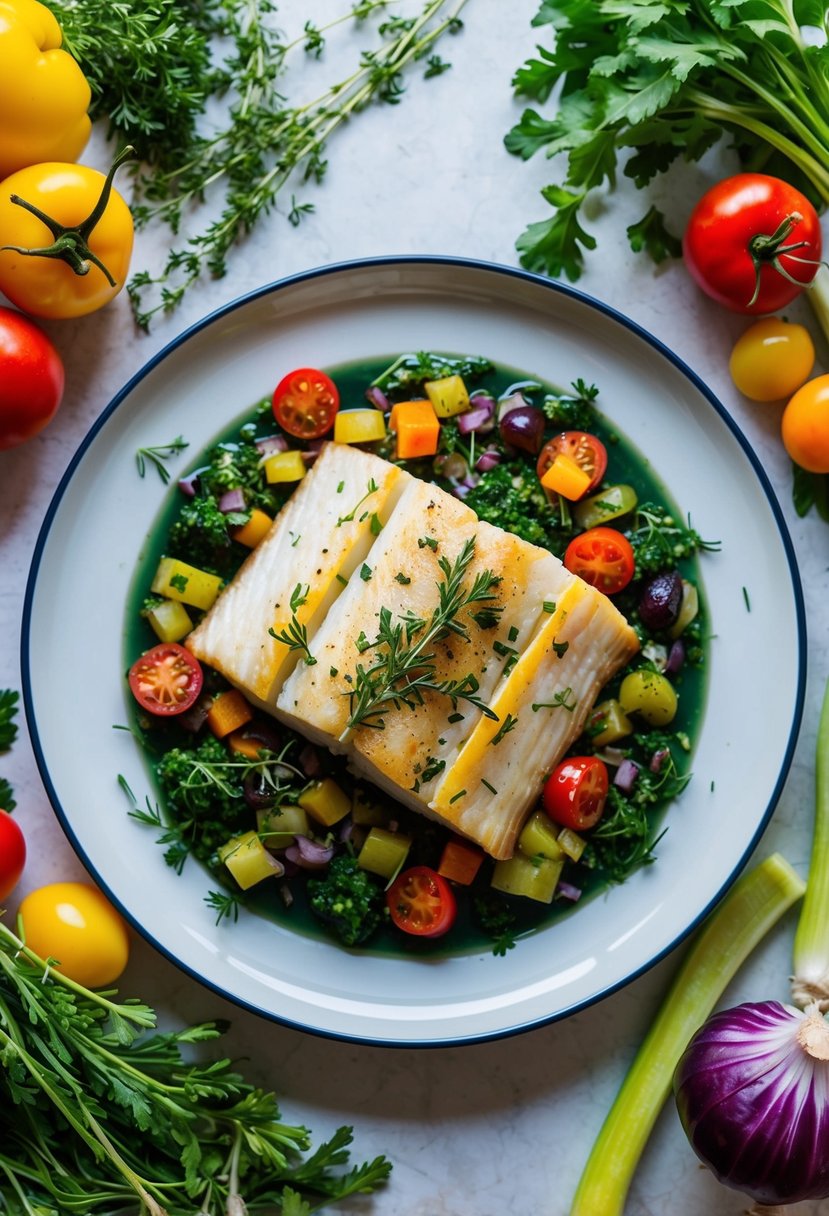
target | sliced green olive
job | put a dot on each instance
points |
(609, 503)
(650, 695)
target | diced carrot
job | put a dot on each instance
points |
(254, 530)
(417, 427)
(228, 712)
(460, 861)
(566, 478)
(244, 745)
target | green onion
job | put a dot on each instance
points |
(810, 984)
(756, 901)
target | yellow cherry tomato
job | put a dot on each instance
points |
(649, 694)
(73, 923)
(805, 426)
(772, 359)
(66, 239)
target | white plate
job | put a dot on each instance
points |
(98, 523)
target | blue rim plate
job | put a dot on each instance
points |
(100, 517)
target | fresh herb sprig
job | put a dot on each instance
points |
(404, 665)
(98, 1114)
(8, 733)
(295, 635)
(157, 457)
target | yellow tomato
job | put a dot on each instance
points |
(805, 426)
(58, 253)
(74, 924)
(772, 359)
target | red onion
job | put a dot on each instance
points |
(461, 490)
(376, 397)
(626, 775)
(752, 1091)
(188, 484)
(480, 418)
(658, 759)
(271, 444)
(487, 460)
(309, 761)
(312, 451)
(676, 657)
(309, 854)
(567, 891)
(661, 599)
(232, 500)
(514, 401)
(523, 427)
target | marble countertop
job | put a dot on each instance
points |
(503, 1126)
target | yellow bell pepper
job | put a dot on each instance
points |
(44, 95)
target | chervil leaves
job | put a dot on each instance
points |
(646, 83)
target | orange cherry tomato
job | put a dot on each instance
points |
(603, 557)
(305, 403)
(805, 426)
(421, 902)
(576, 791)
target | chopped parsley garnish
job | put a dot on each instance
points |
(509, 723)
(179, 581)
(559, 701)
(427, 541)
(560, 648)
(455, 797)
(365, 572)
(401, 578)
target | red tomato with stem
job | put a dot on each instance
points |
(753, 243)
(421, 902)
(589, 453)
(576, 791)
(305, 403)
(12, 854)
(603, 557)
(31, 379)
(166, 680)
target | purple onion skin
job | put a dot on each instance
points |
(660, 600)
(758, 1126)
(523, 427)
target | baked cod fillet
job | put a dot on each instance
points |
(452, 662)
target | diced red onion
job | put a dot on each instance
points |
(567, 891)
(346, 830)
(676, 657)
(515, 401)
(232, 500)
(461, 490)
(487, 460)
(312, 452)
(523, 427)
(752, 1091)
(309, 761)
(479, 418)
(376, 397)
(309, 854)
(658, 759)
(188, 484)
(194, 718)
(271, 444)
(626, 775)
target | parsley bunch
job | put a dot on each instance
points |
(651, 83)
(99, 1115)
(8, 734)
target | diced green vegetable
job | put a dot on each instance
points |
(384, 852)
(571, 843)
(610, 503)
(533, 878)
(609, 723)
(248, 860)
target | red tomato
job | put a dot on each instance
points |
(166, 680)
(603, 557)
(589, 453)
(421, 902)
(12, 854)
(744, 237)
(575, 792)
(31, 379)
(305, 403)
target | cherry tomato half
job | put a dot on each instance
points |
(421, 902)
(166, 680)
(743, 234)
(73, 923)
(576, 791)
(31, 379)
(603, 557)
(805, 426)
(305, 403)
(12, 854)
(589, 453)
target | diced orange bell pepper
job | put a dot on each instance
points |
(254, 530)
(228, 712)
(417, 428)
(566, 478)
(460, 861)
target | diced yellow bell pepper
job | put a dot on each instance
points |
(170, 620)
(366, 812)
(284, 466)
(359, 426)
(248, 860)
(566, 477)
(278, 825)
(449, 396)
(254, 530)
(539, 838)
(417, 428)
(383, 852)
(178, 581)
(325, 801)
(535, 878)
(572, 844)
(608, 723)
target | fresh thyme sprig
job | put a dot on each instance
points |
(295, 636)
(404, 664)
(158, 455)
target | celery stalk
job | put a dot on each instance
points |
(811, 940)
(756, 901)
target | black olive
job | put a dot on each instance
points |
(660, 601)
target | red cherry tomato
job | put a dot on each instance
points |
(305, 403)
(575, 793)
(603, 557)
(166, 680)
(12, 854)
(421, 902)
(31, 379)
(744, 234)
(589, 453)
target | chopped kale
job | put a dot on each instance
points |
(507, 497)
(659, 540)
(348, 900)
(573, 412)
(200, 534)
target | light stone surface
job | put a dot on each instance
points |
(502, 1127)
